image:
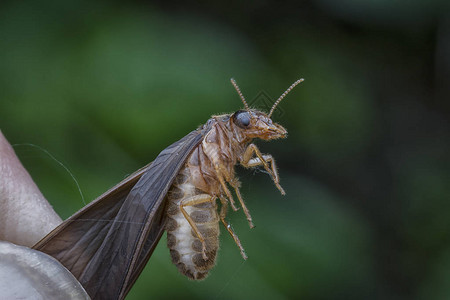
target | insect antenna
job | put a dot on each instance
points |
(284, 95)
(233, 82)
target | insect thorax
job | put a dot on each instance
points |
(195, 189)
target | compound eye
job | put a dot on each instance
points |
(242, 119)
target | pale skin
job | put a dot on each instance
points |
(25, 215)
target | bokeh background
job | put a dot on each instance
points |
(105, 86)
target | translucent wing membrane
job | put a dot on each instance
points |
(107, 243)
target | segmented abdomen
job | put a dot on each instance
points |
(185, 247)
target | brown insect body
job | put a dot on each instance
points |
(108, 242)
(193, 235)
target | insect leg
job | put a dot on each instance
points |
(254, 162)
(219, 172)
(235, 184)
(191, 201)
(261, 159)
(223, 213)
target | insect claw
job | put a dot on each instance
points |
(234, 207)
(204, 251)
(281, 189)
(244, 256)
(250, 224)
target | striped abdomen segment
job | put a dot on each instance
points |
(185, 246)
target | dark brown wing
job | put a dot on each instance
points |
(75, 240)
(107, 244)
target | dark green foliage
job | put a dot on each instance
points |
(105, 87)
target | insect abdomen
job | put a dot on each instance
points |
(185, 247)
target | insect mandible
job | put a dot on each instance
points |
(108, 242)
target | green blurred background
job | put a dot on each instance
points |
(105, 86)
